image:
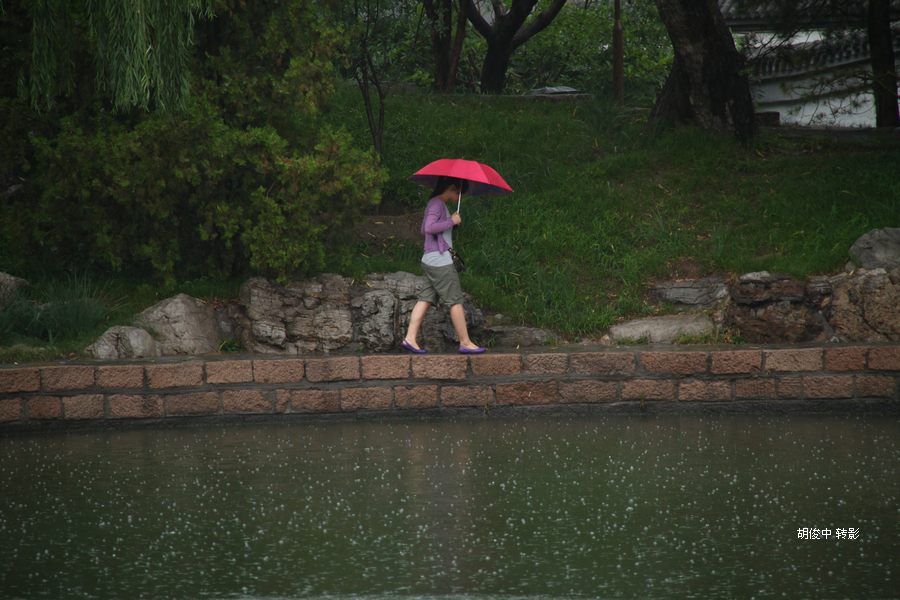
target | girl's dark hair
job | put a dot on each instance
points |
(444, 182)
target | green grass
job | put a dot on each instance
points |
(53, 317)
(604, 203)
(58, 317)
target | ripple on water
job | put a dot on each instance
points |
(619, 506)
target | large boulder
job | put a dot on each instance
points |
(663, 330)
(182, 325)
(879, 248)
(863, 305)
(123, 342)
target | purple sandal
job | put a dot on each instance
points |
(407, 346)
(464, 350)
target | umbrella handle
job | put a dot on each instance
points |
(459, 201)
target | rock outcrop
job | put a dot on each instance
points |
(123, 342)
(299, 317)
(182, 325)
(328, 313)
(864, 305)
(879, 248)
(331, 313)
(857, 306)
(770, 308)
(663, 330)
(707, 291)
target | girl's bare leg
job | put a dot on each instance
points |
(458, 318)
(415, 322)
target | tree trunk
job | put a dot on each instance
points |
(446, 46)
(884, 66)
(440, 25)
(456, 51)
(618, 53)
(493, 70)
(707, 85)
(507, 32)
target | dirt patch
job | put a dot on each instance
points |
(379, 229)
(685, 267)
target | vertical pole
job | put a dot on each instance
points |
(618, 53)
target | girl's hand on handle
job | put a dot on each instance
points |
(456, 218)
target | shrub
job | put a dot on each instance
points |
(189, 194)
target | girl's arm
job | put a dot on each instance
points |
(434, 224)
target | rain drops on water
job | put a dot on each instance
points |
(624, 507)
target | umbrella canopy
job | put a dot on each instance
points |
(482, 178)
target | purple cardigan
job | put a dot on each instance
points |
(434, 224)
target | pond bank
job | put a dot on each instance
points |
(630, 379)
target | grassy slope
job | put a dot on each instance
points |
(603, 204)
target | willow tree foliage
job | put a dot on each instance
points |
(140, 49)
(246, 177)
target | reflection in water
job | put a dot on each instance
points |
(595, 507)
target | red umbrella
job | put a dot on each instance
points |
(482, 178)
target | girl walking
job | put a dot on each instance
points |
(441, 278)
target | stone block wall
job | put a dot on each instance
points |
(163, 389)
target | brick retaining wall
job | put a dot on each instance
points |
(202, 387)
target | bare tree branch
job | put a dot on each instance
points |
(478, 21)
(538, 23)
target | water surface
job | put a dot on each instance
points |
(593, 507)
